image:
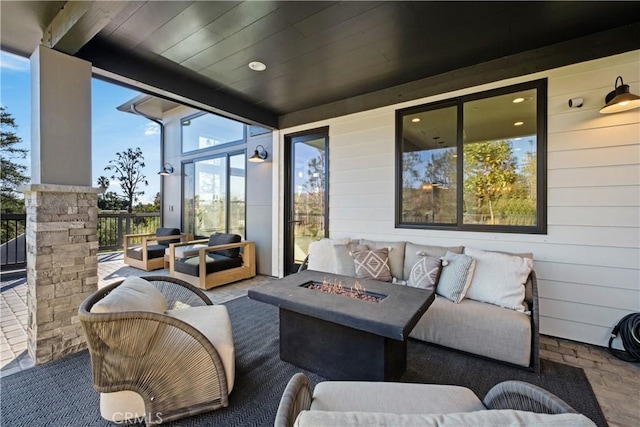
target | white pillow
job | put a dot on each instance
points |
(134, 294)
(499, 278)
(321, 254)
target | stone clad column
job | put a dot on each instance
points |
(62, 266)
(62, 241)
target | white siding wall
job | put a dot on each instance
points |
(588, 264)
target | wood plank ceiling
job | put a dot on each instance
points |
(321, 53)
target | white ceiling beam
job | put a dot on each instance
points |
(78, 22)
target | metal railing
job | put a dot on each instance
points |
(111, 229)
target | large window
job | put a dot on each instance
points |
(214, 195)
(474, 163)
(203, 130)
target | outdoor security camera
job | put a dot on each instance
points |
(575, 102)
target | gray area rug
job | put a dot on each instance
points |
(60, 393)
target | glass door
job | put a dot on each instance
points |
(307, 194)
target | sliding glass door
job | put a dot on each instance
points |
(214, 195)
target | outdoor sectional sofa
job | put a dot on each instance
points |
(473, 326)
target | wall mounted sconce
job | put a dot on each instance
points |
(620, 99)
(166, 170)
(259, 155)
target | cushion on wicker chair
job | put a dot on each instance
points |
(224, 239)
(134, 294)
(213, 321)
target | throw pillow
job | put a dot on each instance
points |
(225, 239)
(133, 294)
(344, 257)
(425, 273)
(457, 272)
(373, 264)
(396, 255)
(499, 278)
(413, 252)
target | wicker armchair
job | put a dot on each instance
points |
(160, 366)
(146, 251)
(515, 395)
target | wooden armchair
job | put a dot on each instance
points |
(146, 250)
(225, 259)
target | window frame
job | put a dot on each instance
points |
(227, 156)
(213, 147)
(541, 156)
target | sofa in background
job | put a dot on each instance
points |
(207, 263)
(474, 326)
(352, 403)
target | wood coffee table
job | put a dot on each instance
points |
(342, 338)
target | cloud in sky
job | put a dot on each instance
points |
(11, 62)
(151, 129)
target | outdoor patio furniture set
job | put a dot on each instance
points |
(486, 302)
(159, 346)
(205, 263)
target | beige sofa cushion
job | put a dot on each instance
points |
(400, 398)
(479, 418)
(411, 254)
(213, 321)
(134, 294)
(322, 256)
(396, 255)
(478, 328)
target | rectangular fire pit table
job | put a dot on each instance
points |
(343, 338)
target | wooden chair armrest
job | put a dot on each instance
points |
(295, 399)
(190, 242)
(130, 236)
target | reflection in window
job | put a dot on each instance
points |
(212, 206)
(489, 143)
(209, 130)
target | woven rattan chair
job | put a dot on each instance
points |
(515, 395)
(162, 366)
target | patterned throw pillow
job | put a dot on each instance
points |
(373, 264)
(455, 279)
(425, 273)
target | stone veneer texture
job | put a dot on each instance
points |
(62, 266)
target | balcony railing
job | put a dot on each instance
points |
(111, 229)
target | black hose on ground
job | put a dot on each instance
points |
(629, 329)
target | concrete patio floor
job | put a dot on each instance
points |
(615, 383)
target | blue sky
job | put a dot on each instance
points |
(112, 131)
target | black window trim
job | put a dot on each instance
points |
(541, 155)
(213, 147)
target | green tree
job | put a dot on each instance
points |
(111, 201)
(489, 172)
(103, 182)
(12, 174)
(127, 169)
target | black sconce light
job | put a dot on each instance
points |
(259, 155)
(166, 170)
(620, 99)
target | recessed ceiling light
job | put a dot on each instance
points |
(518, 123)
(518, 100)
(415, 119)
(257, 66)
